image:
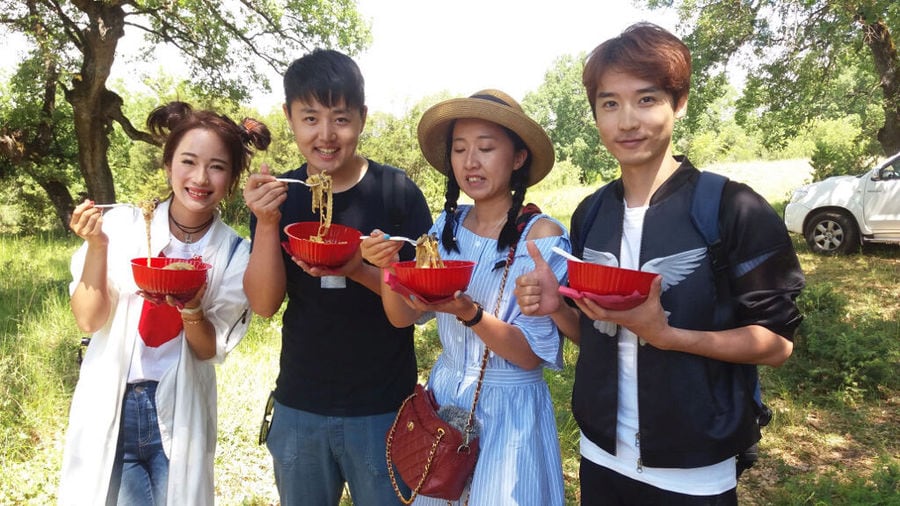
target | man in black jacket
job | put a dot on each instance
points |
(664, 392)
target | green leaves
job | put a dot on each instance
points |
(230, 49)
(560, 105)
(797, 55)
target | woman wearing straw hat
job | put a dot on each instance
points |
(491, 151)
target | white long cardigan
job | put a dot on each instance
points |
(186, 394)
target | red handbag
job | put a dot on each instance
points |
(432, 457)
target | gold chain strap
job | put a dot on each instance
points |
(470, 423)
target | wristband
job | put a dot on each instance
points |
(479, 312)
(190, 310)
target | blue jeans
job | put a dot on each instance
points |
(141, 469)
(315, 455)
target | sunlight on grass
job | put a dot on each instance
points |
(244, 468)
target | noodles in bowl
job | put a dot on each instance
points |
(178, 277)
(333, 249)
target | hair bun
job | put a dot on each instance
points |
(256, 133)
(165, 117)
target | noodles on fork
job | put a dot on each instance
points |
(427, 255)
(147, 208)
(320, 186)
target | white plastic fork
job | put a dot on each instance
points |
(110, 206)
(393, 238)
(289, 180)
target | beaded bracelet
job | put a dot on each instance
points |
(192, 321)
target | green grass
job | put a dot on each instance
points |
(38, 349)
(835, 438)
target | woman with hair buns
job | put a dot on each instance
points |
(491, 151)
(142, 425)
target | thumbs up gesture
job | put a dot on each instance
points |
(537, 292)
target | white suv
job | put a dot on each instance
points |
(838, 214)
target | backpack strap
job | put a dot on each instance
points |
(236, 241)
(705, 217)
(528, 212)
(705, 204)
(393, 196)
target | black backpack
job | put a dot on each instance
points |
(393, 178)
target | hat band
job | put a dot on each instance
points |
(492, 99)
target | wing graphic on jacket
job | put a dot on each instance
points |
(672, 268)
(600, 257)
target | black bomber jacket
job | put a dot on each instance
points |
(694, 411)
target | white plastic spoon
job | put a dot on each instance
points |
(565, 254)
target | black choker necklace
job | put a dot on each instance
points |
(189, 231)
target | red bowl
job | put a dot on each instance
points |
(181, 284)
(435, 283)
(605, 280)
(341, 242)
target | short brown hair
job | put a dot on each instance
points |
(646, 51)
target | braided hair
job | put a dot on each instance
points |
(518, 183)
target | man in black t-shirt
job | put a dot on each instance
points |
(344, 368)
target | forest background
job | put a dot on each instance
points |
(820, 89)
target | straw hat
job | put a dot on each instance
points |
(489, 105)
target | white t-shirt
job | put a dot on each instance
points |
(708, 480)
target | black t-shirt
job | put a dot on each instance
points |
(340, 355)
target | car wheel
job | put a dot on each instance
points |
(831, 233)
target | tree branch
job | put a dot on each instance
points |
(73, 32)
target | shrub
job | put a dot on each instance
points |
(829, 160)
(852, 359)
(841, 148)
(564, 173)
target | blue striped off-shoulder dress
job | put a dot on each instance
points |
(519, 463)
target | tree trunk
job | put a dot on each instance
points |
(91, 130)
(884, 52)
(94, 107)
(61, 199)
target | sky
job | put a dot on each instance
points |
(423, 47)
